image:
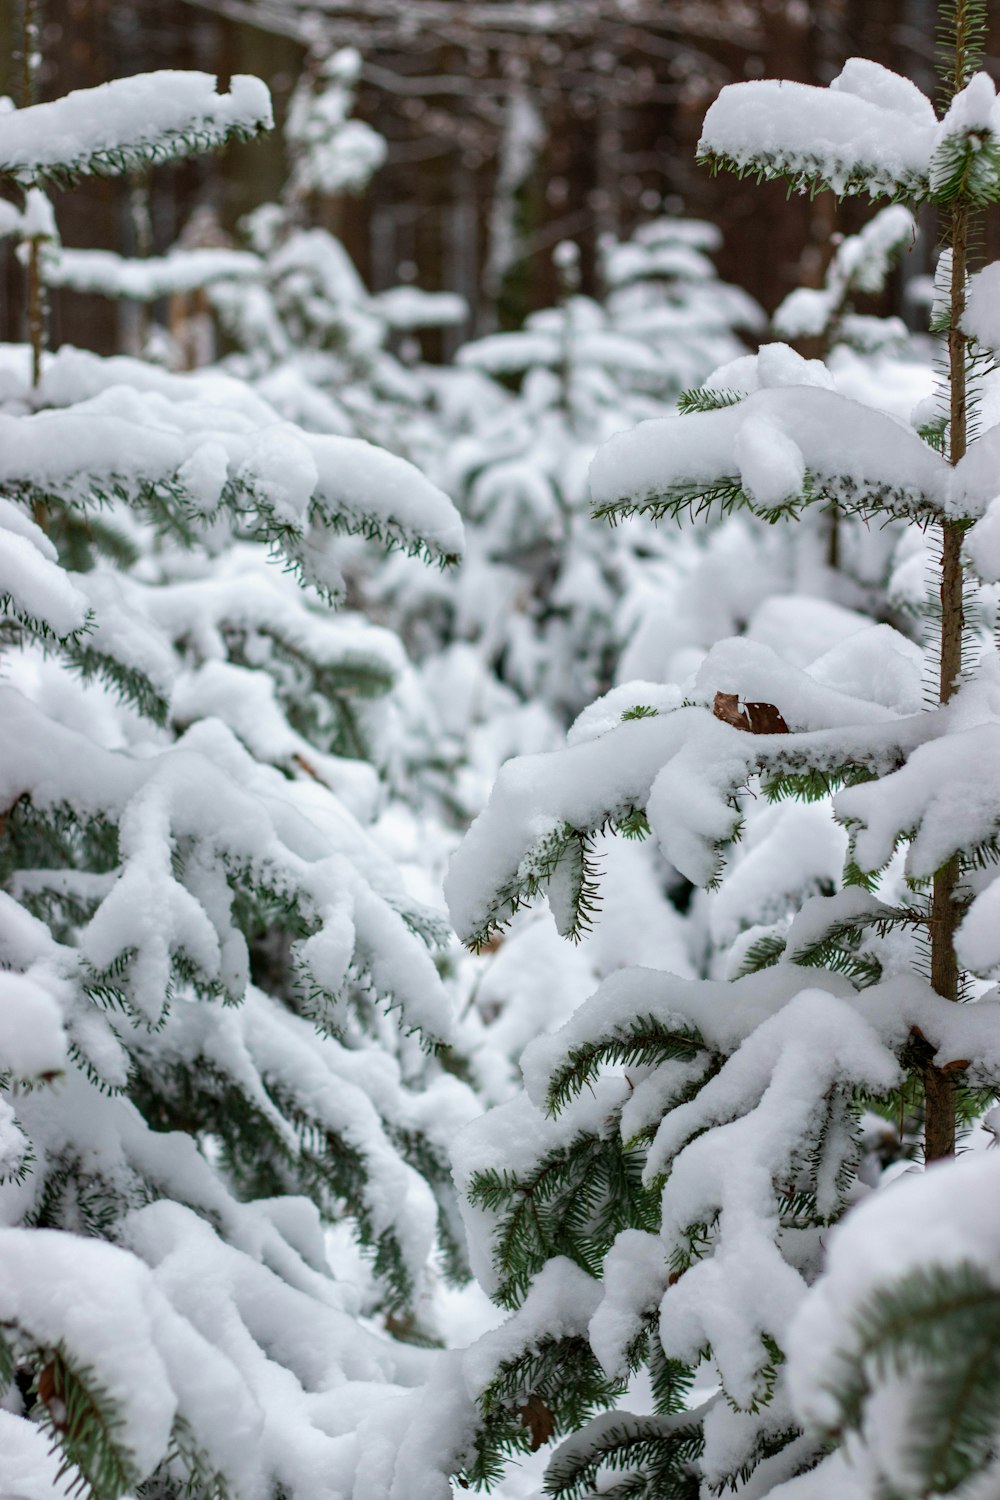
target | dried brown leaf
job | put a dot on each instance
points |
(536, 1416)
(753, 718)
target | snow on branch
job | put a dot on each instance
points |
(152, 926)
(904, 1323)
(112, 275)
(678, 774)
(872, 131)
(130, 122)
(775, 451)
(302, 489)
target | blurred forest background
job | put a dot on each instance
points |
(511, 125)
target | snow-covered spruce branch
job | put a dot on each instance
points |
(774, 452)
(131, 122)
(870, 132)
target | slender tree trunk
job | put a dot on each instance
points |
(36, 309)
(939, 1087)
(30, 61)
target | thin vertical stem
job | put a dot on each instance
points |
(36, 309)
(30, 62)
(939, 1087)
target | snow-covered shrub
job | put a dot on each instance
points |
(654, 1209)
(310, 336)
(541, 594)
(662, 288)
(216, 992)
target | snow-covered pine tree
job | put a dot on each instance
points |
(656, 1207)
(310, 336)
(538, 595)
(198, 939)
(661, 287)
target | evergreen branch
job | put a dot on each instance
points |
(8, 1363)
(966, 168)
(808, 173)
(699, 499)
(661, 1452)
(814, 783)
(763, 953)
(938, 1328)
(573, 1203)
(130, 124)
(128, 683)
(672, 1381)
(551, 1388)
(120, 161)
(962, 30)
(186, 1473)
(707, 400)
(765, 1445)
(643, 1042)
(564, 851)
(80, 1420)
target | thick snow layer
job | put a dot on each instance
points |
(161, 431)
(31, 579)
(847, 447)
(147, 280)
(32, 1038)
(29, 1469)
(155, 113)
(981, 319)
(947, 1217)
(685, 768)
(635, 1277)
(559, 1304)
(948, 793)
(723, 1013)
(869, 121)
(195, 791)
(100, 1304)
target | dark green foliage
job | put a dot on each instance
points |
(569, 854)
(83, 536)
(697, 500)
(656, 1456)
(808, 174)
(635, 825)
(643, 1042)
(763, 953)
(125, 682)
(573, 1203)
(766, 1446)
(550, 1388)
(82, 1423)
(966, 168)
(540, 865)
(118, 161)
(184, 1473)
(962, 30)
(813, 783)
